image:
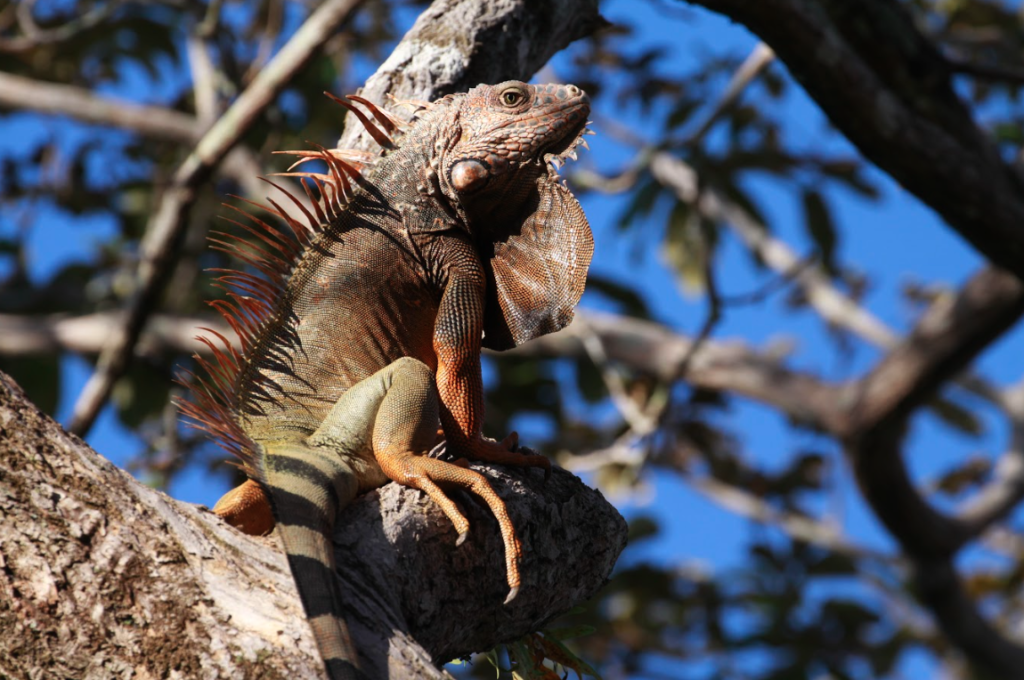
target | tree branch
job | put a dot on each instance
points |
(1000, 496)
(889, 90)
(152, 583)
(946, 339)
(165, 334)
(18, 93)
(652, 349)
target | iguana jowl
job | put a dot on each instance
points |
(362, 330)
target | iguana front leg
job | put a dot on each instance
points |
(458, 332)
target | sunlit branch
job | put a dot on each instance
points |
(1001, 495)
(156, 122)
(23, 336)
(204, 80)
(25, 94)
(756, 62)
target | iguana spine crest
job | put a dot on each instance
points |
(256, 301)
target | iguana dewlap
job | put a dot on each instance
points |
(361, 323)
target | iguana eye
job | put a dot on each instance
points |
(512, 97)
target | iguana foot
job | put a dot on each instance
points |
(247, 508)
(430, 474)
(504, 452)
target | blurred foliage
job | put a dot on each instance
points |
(789, 608)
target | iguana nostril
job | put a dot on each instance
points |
(469, 175)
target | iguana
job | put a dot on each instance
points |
(361, 324)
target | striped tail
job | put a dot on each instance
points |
(307, 488)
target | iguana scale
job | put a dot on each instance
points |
(361, 324)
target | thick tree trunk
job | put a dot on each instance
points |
(103, 577)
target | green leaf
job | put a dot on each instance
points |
(630, 301)
(589, 381)
(851, 174)
(141, 394)
(687, 247)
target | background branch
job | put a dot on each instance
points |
(889, 90)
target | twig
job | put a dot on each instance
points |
(714, 315)
(768, 288)
(640, 422)
(37, 36)
(204, 80)
(19, 93)
(169, 222)
(657, 351)
(756, 62)
(1000, 496)
(987, 71)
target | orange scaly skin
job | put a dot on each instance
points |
(364, 331)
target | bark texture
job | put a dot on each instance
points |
(102, 577)
(457, 44)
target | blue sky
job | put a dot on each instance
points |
(893, 241)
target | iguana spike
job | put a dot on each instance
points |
(329, 196)
(344, 170)
(268, 234)
(224, 366)
(234, 318)
(314, 226)
(388, 121)
(260, 259)
(247, 282)
(304, 157)
(235, 356)
(218, 370)
(339, 170)
(360, 159)
(252, 308)
(368, 125)
(313, 200)
(414, 103)
(301, 233)
(255, 306)
(310, 175)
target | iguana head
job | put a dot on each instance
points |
(508, 136)
(497, 163)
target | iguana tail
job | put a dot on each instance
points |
(307, 488)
